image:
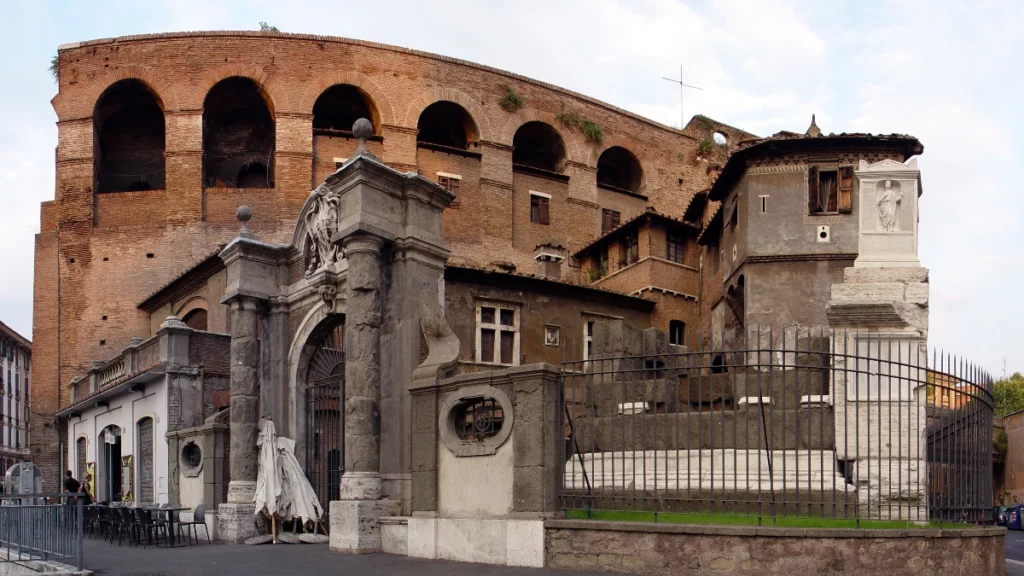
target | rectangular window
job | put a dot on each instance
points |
(539, 207)
(497, 333)
(588, 338)
(609, 220)
(677, 332)
(339, 162)
(630, 249)
(764, 203)
(829, 191)
(674, 248)
(451, 183)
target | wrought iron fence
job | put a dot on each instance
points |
(769, 423)
(39, 527)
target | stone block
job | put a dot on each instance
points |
(394, 535)
(868, 293)
(917, 293)
(525, 543)
(905, 275)
(472, 540)
(421, 537)
(355, 524)
(706, 389)
(238, 521)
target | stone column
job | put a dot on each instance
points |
(236, 518)
(355, 518)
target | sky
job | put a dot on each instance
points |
(945, 72)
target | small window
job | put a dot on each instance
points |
(720, 139)
(497, 331)
(339, 162)
(674, 248)
(733, 216)
(450, 182)
(478, 419)
(630, 250)
(588, 338)
(829, 191)
(609, 220)
(539, 208)
(191, 455)
(764, 203)
(677, 332)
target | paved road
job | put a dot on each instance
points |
(306, 559)
(1014, 553)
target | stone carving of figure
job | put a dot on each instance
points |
(321, 223)
(889, 203)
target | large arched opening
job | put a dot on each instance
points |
(448, 125)
(322, 372)
(618, 169)
(338, 107)
(128, 139)
(539, 146)
(238, 136)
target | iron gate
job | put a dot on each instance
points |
(325, 416)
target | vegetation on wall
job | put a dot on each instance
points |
(590, 129)
(597, 273)
(1008, 394)
(510, 101)
(264, 27)
(55, 67)
(706, 146)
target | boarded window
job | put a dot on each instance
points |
(846, 189)
(146, 460)
(609, 220)
(539, 207)
(674, 248)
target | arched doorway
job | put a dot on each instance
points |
(325, 414)
(110, 464)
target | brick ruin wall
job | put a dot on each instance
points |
(99, 255)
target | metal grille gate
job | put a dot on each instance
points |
(325, 416)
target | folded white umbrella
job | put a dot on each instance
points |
(298, 499)
(268, 480)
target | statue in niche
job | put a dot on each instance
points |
(889, 204)
(321, 223)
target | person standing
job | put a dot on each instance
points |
(71, 486)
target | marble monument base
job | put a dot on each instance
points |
(355, 524)
(237, 522)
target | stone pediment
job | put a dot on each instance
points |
(887, 165)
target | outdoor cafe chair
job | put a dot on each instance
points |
(150, 527)
(198, 519)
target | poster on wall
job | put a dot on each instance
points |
(127, 486)
(90, 478)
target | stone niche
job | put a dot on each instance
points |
(888, 213)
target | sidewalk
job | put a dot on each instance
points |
(270, 560)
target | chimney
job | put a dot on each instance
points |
(549, 257)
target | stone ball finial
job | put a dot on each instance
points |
(244, 214)
(362, 129)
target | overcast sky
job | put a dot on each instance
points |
(946, 72)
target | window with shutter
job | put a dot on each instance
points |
(539, 207)
(823, 191)
(609, 220)
(497, 328)
(451, 183)
(846, 189)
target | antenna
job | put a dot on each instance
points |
(682, 115)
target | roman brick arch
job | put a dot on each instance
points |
(571, 139)
(194, 303)
(619, 166)
(82, 105)
(612, 140)
(416, 108)
(276, 98)
(129, 138)
(364, 83)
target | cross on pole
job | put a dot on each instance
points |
(682, 115)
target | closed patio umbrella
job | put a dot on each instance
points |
(268, 480)
(298, 499)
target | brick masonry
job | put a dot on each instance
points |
(663, 549)
(99, 255)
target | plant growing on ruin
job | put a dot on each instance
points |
(706, 146)
(570, 119)
(264, 27)
(55, 68)
(591, 131)
(596, 273)
(510, 101)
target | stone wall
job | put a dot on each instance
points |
(657, 549)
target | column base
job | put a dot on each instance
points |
(355, 524)
(241, 491)
(236, 522)
(361, 486)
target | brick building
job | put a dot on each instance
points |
(15, 362)
(161, 137)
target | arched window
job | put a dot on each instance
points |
(238, 136)
(618, 169)
(538, 145)
(447, 124)
(677, 332)
(338, 107)
(128, 139)
(196, 319)
(145, 451)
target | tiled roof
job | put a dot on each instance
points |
(537, 278)
(649, 212)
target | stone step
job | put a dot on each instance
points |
(809, 428)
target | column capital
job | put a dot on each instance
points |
(240, 301)
(362, 242)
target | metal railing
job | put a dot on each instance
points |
(39, 527)
(769, 423)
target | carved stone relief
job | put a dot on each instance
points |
(889, 203)
(321, 223)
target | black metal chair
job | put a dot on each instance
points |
(150, 527)
(129, 528)
(198, 519)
